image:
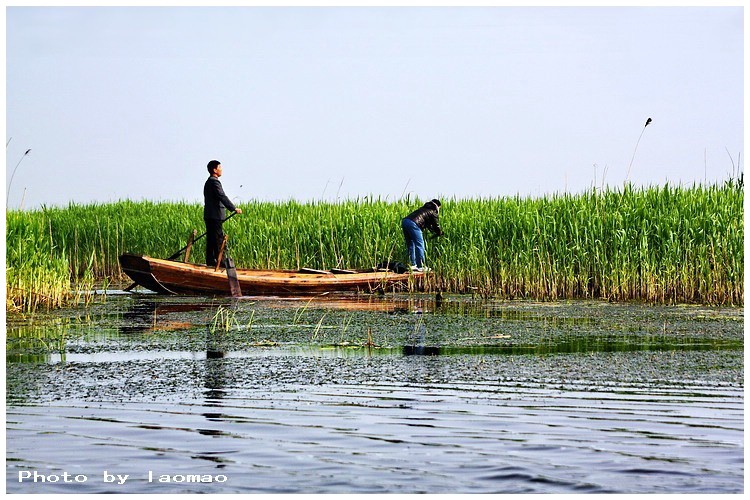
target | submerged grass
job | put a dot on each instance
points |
(661, 244)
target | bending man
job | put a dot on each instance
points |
(425, 217)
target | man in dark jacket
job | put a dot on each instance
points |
(425, 217)
(215, 205)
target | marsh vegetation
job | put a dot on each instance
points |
(656, 244)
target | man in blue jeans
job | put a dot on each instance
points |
(425, 217)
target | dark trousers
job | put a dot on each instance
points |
(214, 237)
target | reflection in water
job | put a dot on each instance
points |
(149, 315)
(421, 350)
(380, 394)
(139, 318)
(445, 397)
(215, 379)
(411, 323)
(32, 343)
(215, 382)
(416, 343)
(373, 303)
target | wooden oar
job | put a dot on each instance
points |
(178, 252)
(234, 283)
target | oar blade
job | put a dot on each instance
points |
(234, 283)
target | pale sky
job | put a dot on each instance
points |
(345, 102)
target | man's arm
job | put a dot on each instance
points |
(435, 225)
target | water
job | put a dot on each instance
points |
(377, 396)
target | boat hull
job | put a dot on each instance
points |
(177, 278)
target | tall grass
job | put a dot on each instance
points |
(37, 273)
(658, 244)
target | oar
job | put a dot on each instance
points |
(234, 284)
(178, 252)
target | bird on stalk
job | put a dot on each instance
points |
(627, 177)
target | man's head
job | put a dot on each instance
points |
(214, 167)
(436, 202)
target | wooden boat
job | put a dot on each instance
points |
(172, 277)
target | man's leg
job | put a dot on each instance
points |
(407, 239)
(419, 249)
(214, 237)
(412, 235)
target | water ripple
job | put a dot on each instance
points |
(395, 438)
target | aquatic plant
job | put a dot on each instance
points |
(659, 244)
(223, 320)
(36, 274)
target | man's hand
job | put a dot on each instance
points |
(238, 210)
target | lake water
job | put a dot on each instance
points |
(375, 395)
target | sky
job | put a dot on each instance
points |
(330, 103)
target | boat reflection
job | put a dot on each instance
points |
(345, 302)
(421, 350)
(146, 316)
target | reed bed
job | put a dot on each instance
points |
(37, 273)
(661, 244)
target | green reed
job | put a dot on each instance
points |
(658, 244)
(37, 273)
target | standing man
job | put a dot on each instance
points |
(216, 202)
(425, 217)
